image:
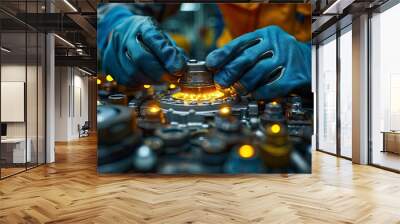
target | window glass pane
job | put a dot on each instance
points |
(385, 84)
(15, 150)
(31, 97)
(327, 96)
(346, 93)
(22, 87)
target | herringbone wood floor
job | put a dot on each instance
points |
(70, 191)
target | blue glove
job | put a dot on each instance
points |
(267, 62)
(134, 51)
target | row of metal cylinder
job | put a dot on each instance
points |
(227, 145)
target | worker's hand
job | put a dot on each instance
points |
(137, 51)
(268, 62)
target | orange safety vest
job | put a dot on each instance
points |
(241, 18)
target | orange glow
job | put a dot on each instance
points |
(275, 128)
(207, 96)
(109, 78)
(274, 103)
(246, 151)
(225, 110)
(172, 86)
(154, 109)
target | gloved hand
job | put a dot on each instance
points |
(268, 62)
(136, 50)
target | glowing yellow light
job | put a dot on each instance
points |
(274, 103)
(275, 128)
(225, 110)
(146, 86)
(246, 151)
(109, 78)
(172, 86)
(207, 96)
(154, 109)
(98, 81)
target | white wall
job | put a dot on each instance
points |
(17, 72)
(14, 73)
(61, 103)
(71, 102)
(81, 82)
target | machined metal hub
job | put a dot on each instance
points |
(197, 95)
(167, 102)
(197, 76)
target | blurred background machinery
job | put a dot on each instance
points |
(195, 127)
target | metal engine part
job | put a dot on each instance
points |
(195, 127)
(197, 76)
(197, 96)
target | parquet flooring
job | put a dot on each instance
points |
(11, 170)
(70, 191)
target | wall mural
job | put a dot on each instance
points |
(204, 88)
